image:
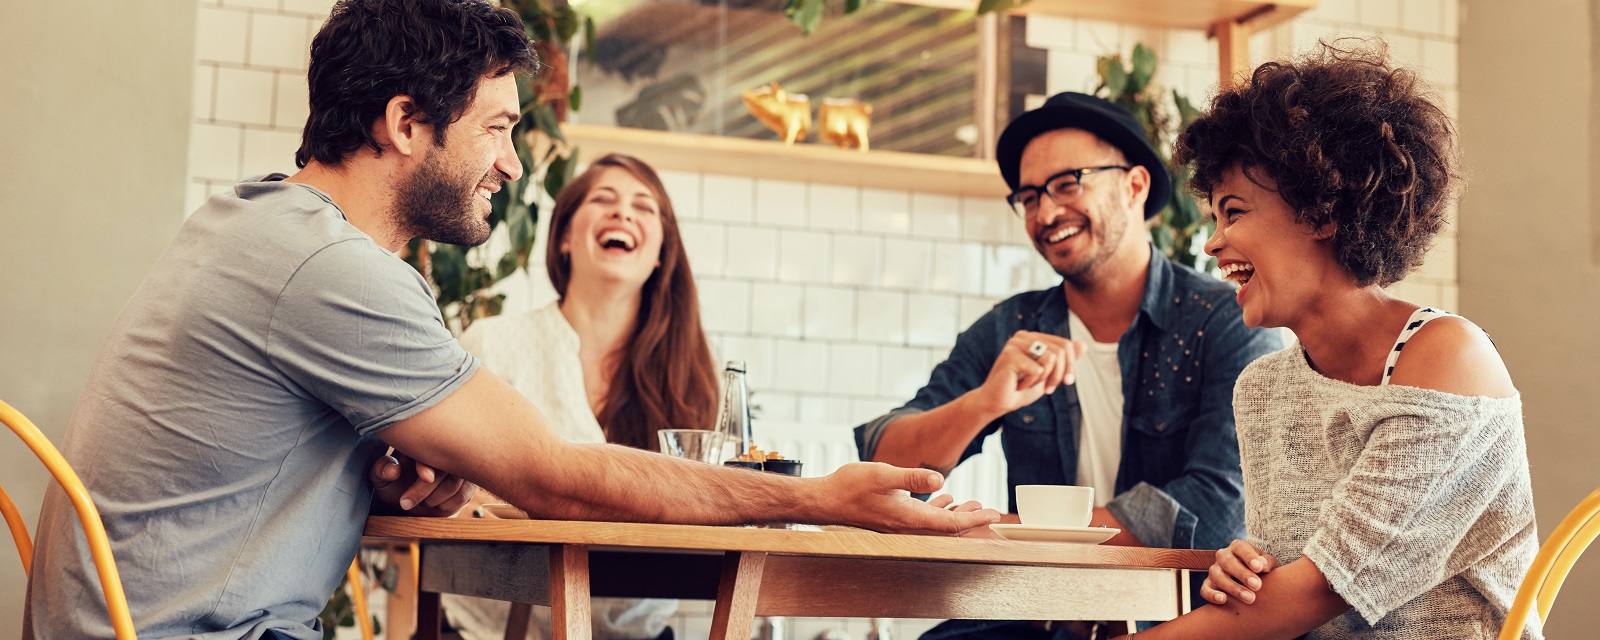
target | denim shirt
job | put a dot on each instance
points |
(1178, 483)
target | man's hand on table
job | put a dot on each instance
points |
(877, 496)
(403, 486)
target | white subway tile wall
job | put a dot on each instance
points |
(221, 35)
(802, 256)
(727, 198)
(834, 207)
(780, 203)
(906, 263)
(752, 252)
(829, 313)
(775, 309)
(885, 212)
(840, 299)
(685, 189)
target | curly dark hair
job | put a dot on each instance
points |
(1346, 139)
(433, 51)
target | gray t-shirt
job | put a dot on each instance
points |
(228, 425)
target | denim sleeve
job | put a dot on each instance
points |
(964, 370)
(1203, 508)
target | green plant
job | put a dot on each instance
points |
(1164, 115)
(464, 278)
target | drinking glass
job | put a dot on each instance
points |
(694, 444)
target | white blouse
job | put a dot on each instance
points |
(537, 354)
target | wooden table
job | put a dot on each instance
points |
(778, 572)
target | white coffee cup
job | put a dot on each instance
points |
(1055, 505)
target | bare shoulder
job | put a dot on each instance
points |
(1451, 354)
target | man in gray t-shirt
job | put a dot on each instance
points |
(229, 430)
(227, 427)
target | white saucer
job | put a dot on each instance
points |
(1042, 533)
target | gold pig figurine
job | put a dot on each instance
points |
(844, 122)
(789, 114)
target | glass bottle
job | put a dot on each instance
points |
(733, 415)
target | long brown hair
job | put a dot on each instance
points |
(665, 378)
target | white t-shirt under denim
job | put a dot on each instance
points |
(1098, 377)
(1415, 504)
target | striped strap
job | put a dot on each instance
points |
(1418, 318)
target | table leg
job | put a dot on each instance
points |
(401, 616)
(736, 595)
(1183, 592)
(428, 615)
(569, 592)
(517, 621)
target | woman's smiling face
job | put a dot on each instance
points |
(616, 232)
(1280, 265)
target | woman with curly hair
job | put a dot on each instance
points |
(1385, 470)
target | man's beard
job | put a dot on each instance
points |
(441, 207)
(1084, 273)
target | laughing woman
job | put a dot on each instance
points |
(1385, 471)
(619, 356)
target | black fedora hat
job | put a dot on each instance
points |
(1070, 110)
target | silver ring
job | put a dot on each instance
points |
(1037, 349)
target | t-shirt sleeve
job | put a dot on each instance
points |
(1411, 512)
(359, 330)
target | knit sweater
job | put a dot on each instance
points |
(1415, 504)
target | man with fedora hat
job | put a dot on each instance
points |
(1120, 378)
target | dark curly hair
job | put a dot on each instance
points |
(1345, 138)
(433, 51)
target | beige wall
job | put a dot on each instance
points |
(1527, 273)
(94, 97)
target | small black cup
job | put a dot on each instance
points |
(785, 467)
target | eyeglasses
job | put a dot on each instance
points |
(1063, 188)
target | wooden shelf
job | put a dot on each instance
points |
(1169, 14)
(802, 162)
(1230, 22)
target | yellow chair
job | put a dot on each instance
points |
(358, 597)
(1550, 567)
(99, 548)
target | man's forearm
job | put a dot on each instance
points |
(489, 434)
(933, 439)
(510, 451)
(616, 483)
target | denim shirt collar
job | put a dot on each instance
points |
(1158, 286)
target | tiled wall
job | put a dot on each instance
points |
(840, 299)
